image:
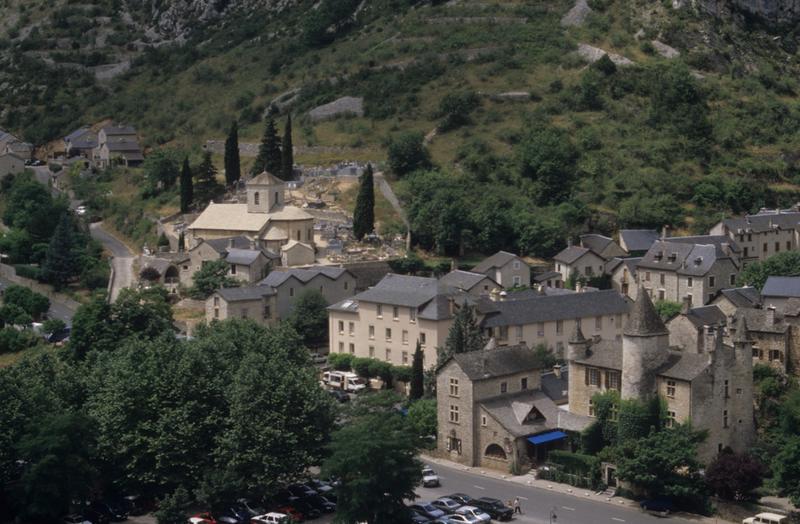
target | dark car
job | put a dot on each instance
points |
(321, 503)
(300, 491)
(309, 511)
(285, 496)
(461, 498)
(339, 395)
(426, 509)
(96, 515)
(320, 486)
(659, 506)
(494, 507)
(416, 518)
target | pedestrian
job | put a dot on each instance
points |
(517, 509)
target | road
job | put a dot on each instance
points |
(122, 261)
(536, 503)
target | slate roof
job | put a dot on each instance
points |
(499, 259)
(781, 287)
(557, 388)
(500, 362)
(465, 280)
(757, 321)
(552, 307)
(240, 294)
(747, 296)
(763, 221)
(123, 145)
(277, 278)
(220, 245)
(547, 275)
(82, 138)
(631, 263)
(643, 319)
(511, 411)
(599, 243)
(706, 316)
(119, 130)
(691, 256)
(603, 354)
(243, 257)
(681, 365)
(570, 254)
(638, 239)
(404, 290)
(369, 274)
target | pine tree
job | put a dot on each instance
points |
(206, 186)
(61, 261)
(417, 375)
(287, 151)
(464, 335)
(187, 189)
(233, 169)
(269, 153)
(364, 212)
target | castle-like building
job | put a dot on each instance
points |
(710, 385)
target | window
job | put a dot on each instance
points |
(594, 377)
(267, 312)
(244, 313)
(395, 312)
(540, 329)
(749, 237)
(483, 420)
(256, 198)
(503, 387)
(689, 282)
(388, 354)
(588, 271)
(712, 281)
(291, 291)
(670, 422)
(405, 337)
(725, 419)
(739, 391)
(523, 383)
(502, 333)
(519, 332)
(388, 334)
(405, 358)
(516, 264)
(216, 301)
(732, 279)
(647, 276)
(745, 251)
(689, 299)
(380, 311)
(661, 294)
(454, 413)
(233, 269)
(777, 248)
(598, 323)
(341, 347)
(352, 348)
(612, 380)
(412, 314)
(371, 332)
(765, 247)
(559, 327)
(560, 348)
(454, 444)
(422, 339)
(727, 394)
(346, 284)
(216, 312)
(517, 280)
(775, 355)
(788, 245)
(661, 278)
(351, 329)
(670, 388)
(372, 352)
(453, 387)
(341, 327)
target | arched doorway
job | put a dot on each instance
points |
(171, 276)
(495, 451)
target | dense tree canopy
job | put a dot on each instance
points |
(211, 277)
(786, 264)
(465, 335)
(406, 153)
(309, 317)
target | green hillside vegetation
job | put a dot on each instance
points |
(676, 142)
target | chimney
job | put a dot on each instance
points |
(569, 241)
(686, 305)
(557, 370)
(710, 338)
(494, 295)
(252, 244)
(771, 315)
(230, 243)
(451, 305)
(664, 230)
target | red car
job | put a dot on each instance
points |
(295, 515)
(202, 518)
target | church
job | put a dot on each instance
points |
(264, 219)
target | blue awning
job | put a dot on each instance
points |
(547, 437)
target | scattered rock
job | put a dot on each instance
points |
(665, 50)
(576, 16)
(592, 54)
(347, 105)
(513, 96)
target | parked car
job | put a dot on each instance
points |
(202, 518)
(113, 512)
(320, 486)
(271, 518)
(447, 505)
(254, 509)
(339, 395)
(97, 514)
(426, 509)
(766, 518)
(284, 496)
(461, 519)
(321, 503)
(416, 518)
(80, 211)
(77, 518)
(461, 498)
(472, 511)
(292, 512)
(300, 490)
(429, 478)
(494, 507)
(658, 506)
(309, 511)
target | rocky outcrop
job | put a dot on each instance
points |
(592, 54)
(775, 12)
(577, 15)
(347, 105)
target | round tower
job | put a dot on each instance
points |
(577, 345)
(645, 347)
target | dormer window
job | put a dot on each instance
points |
(698, 261)
(533, 415)
(659, 255)
(673, 257)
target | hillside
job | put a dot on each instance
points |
(698, 117)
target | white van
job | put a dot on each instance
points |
(344, 380)
(766, 518)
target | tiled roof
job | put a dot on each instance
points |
(239, 294)
(747, 296)
(119, 130)
(230, 217)
(683, 365)
(758, 320)
(221, 245)
(638, 239)
(465, 280)
(692, 256)
(512, 412)
(83, 138)
(553, 307)
(265, 179)
(543, 277)
(643, 319)
(500, 362)
(603, 354)
(706, 316)
(570, 254)
(304, 275)
(499, 259)
(764, 221)
(781, 287)
(557, 388)
(243, 257)
(403, 290)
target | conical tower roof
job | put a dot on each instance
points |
(740, 335)
(577, 335)
(644, 320)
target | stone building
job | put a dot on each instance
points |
(713, 389)
(247, 261)
(117, 143)
(693, 267)
(580, 261)
(473, 283)
(687, 329)
(492, 411)
(636, 242)
(767, 233)
(732, 299)
(507, 269)
(777, 291)
(602, 245)
(11, 164)
(254, 302)
(771, 337)
(623, 275)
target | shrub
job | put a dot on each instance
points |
(28, 271)
(362, 366)
(341, 361)
(401, 373)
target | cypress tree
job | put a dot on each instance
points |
(364, 212)
(187, 189)
(233, 169)
(61, 261)
(464, 335)
(417, 375)
(269, 153)
(287, 151)
(206, 186)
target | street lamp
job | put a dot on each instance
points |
(553, 516)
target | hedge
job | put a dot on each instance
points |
(575, 463)
(369, 367)
(27, 271)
